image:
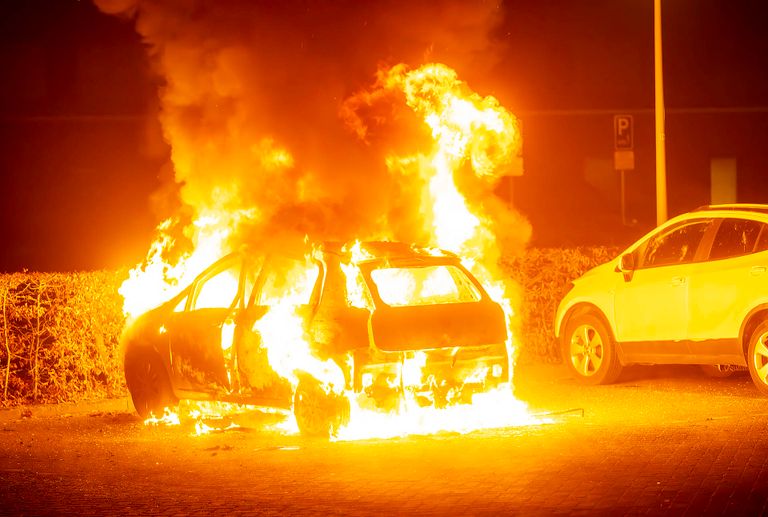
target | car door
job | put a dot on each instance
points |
(274, 342)
(651, 304)
(722, 288)
(202, 332)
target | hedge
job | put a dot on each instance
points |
(545, 275)
(60, 332)
(59, 335)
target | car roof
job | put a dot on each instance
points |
(740, 207)
(754, 211)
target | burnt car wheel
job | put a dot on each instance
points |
(757, 357)
(148, 384)
(319, 413)
(588, 350)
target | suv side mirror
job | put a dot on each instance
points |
(627, 263)
(626, 266)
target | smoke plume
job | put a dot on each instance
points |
(253, 99)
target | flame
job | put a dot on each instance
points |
(474, 139)
(218, 216)
(357, 291)
(282, 329)
(205, 417)
(467, 129)
(472, 133)
(288, 349)
(493, 409)
(157, 280)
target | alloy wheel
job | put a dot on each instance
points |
(760, 358)
(586, 350)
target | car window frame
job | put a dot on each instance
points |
(368, 266)
(453, 270)
(251, 264)
(216, 268)
(256, 292)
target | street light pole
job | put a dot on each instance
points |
(661, 165)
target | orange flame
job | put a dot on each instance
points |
(466, 129)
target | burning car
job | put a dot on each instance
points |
(305, 332)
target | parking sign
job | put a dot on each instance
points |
(623, 143)
(622, 132)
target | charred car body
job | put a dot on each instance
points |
(369, 315)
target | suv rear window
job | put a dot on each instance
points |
(424, 285)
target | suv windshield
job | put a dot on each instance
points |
(424, 285)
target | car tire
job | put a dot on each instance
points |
(757, 357)
(148, 384)
(589, 351)
(318, 413)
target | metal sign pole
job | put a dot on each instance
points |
(661, 165)
(623, 200)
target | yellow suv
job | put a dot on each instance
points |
(692, 291)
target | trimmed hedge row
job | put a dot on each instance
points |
(545, 275)
(59, 335)
(59, 332)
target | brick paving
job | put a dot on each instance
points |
(647, 446)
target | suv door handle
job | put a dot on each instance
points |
(678, 280)
(757, 270)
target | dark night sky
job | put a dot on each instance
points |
(81, 149)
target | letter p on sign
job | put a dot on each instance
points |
(622, 132)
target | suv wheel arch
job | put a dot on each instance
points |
(584, 308)
(755, 317)
(589, 350)
(588, 308)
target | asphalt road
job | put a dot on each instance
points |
(662, 441)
